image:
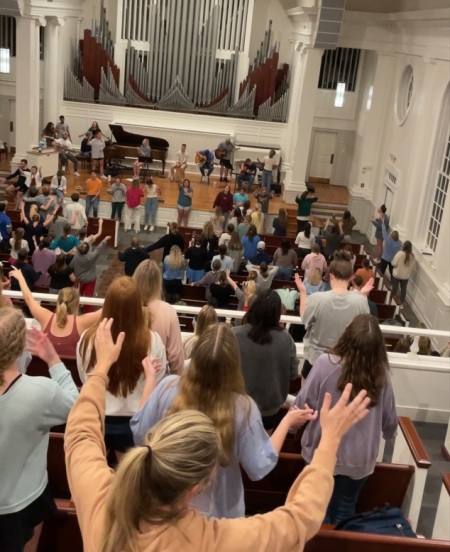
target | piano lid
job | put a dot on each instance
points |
(124, 138)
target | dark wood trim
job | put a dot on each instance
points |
(420, 455)
(445, 453)
(446, 481)
(318, 180)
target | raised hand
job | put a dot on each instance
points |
(368, 287)
(299, 283)
(38, 344)
(106, 350)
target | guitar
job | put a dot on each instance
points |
(219, 153)
(200, 159)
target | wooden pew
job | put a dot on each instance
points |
(61, 532)
(409, 449)
(38, 367)
(378, 296)
(441, 529)
(346, 541)
(388, 483)
(56, 466)
(385, 312)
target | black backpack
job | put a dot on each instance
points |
(380, 521)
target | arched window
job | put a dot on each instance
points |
(440, 175)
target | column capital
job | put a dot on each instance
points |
(56, 21)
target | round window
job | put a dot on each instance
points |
(405, 94)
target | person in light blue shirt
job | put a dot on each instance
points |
(250, 242)
(244, 442)
(207, 166)
(226, 262)
(29, 408)
(392, 245)
(239, 198)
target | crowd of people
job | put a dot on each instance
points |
(184, 415)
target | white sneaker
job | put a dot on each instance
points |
(152, 228)
(76, 173)
(146, 227)
(63, 168)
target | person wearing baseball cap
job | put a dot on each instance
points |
(261, 255)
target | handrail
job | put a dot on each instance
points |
(446, 481)
(415, 445)
(186, 309)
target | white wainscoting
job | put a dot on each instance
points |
(197, 131)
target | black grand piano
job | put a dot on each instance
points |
(126, 144)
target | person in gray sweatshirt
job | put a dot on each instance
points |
(118, 191)
(83, 265)
(358, 358)
(29, 408)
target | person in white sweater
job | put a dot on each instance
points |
(123, 303)
(29, 408)
(403, 264)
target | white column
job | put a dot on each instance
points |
(52, 70)
(306, 68)
(27, 84)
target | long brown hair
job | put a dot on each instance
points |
(18, 237)
(363, 357)
(123, 303)
(212, 382)
(282, 217)
(235, 243)
(407, 250)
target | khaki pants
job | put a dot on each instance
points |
(132, 216)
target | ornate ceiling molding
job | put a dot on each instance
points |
(61, 9)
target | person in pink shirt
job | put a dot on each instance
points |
(42, 258)
(314, 260)
(133, 208)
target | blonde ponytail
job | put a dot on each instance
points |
(179, 453)
(68, 302)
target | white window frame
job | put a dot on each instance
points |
(5, 61)
(440, 180)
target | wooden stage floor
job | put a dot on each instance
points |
(204, 194)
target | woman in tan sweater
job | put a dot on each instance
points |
(144, 506)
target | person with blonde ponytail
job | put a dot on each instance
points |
(214, 385)
(145, 505)
(64, 326)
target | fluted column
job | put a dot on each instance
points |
(27, 84)
(53, 72)
(306, 68)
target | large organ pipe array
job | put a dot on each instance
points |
(187, 61)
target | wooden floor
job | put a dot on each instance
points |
(204, 194)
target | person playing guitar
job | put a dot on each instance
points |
(205, 160)
(248, 172)
(223, 153)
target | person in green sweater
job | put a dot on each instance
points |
(304, 203)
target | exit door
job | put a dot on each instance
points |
(322, 156)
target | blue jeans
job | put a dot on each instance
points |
(94, 202)
(284, 273)
(246, 178)
(344, 498)
(151, 206)
(266, 180)
(206, 168)
(116, 209)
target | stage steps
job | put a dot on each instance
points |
(320, 209)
